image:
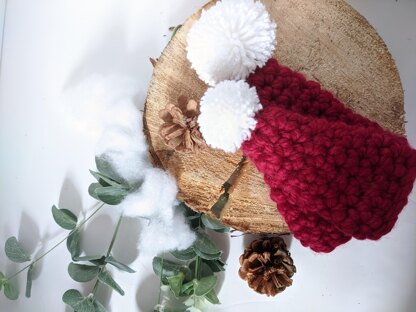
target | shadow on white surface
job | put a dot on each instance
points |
(32, 242)
(70, 196)
(29, 234)
(223, 242)
(128, 238)
(96, 236)
(147, 294)
(111, 56)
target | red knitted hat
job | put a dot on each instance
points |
(332, 173)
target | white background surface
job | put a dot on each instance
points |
(51, 45)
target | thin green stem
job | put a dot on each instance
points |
(94, 290)
(197, 267)
(113, 239)
(57, 244)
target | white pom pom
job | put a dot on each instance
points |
(227, 114)
(230, 40)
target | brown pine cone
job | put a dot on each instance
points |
(267, 266)
(180, 129)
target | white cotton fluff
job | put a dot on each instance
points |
(227, 114)
(230, 40)
(103, 107)
(165, 235)
(126, 148)
(156, 200)
(155, 197)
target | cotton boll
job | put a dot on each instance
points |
(230, 40)
(154, 199)
(227, 114)
(166, 235)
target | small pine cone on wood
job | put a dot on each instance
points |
(267, 266)
(180, 129)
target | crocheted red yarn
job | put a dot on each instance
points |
(332, 173)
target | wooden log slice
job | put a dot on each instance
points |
(329, 42)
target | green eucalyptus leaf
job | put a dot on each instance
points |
(71, 297)
(204, 285)
(29, 280)
(105, 167)
(204, 269)
(169, 268)
(104, 180)
(88, 258)
(194, 217)
(100, 261)
(78, 302)
(86, 305)
(208, 256)
(2, 280)
(220, 204)
(185, 255)
(224, 230)
(215, 265)
(92, 190)
(111, 195)
(105, 277)
(97, 177)
(15, 251)
(211, 296)
(10, 291)
(187, 288)
(205, 245)
(121, 266)
(82, 273)
(64, 218)
(99, 307)
(188, 212)
(73, 244)
(175, 283)
(213, 224)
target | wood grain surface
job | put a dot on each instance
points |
(329, 42)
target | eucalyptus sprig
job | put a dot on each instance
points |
(110, 189)
(96, 269)
(16, 253)
(193, 276)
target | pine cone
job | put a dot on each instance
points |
(267, 266)
(180, 129)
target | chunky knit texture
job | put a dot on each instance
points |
(332, 173)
